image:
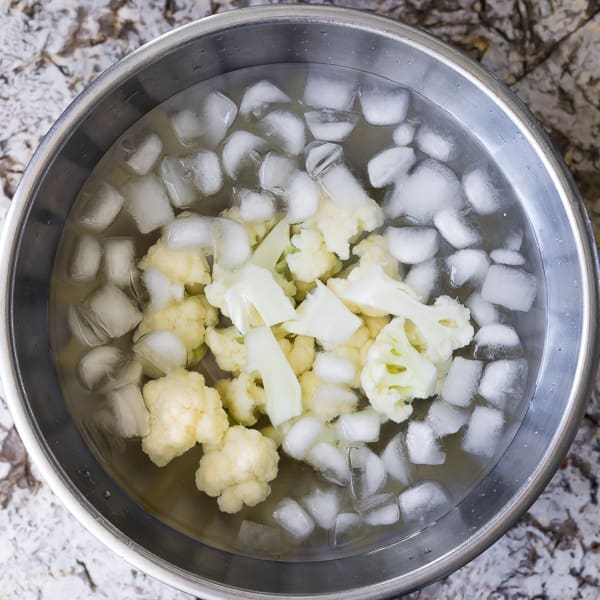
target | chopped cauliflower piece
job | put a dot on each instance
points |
(227, 346)
(395, 373)
(187, 267)
(374, 250)
(375, 324)
(237, 470)
(325, 401)
(310, 259)
(183, 411)
(300, 350)
(257, 230)
(243, 397)
(187, 319)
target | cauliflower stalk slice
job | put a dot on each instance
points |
(237, 470)
(269, 251)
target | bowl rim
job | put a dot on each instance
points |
(589, 348)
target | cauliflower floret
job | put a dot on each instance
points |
(185, 267)
(339, 226)
(302, 289)
(375, 324)
(187, 319)
(373, 250)
(228, 348)
(242, 397)
(300, 350)
(325, 401)
(183, 411)
(238, 469)
(309, 259)
(257, 230)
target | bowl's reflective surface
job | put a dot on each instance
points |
(565, 333)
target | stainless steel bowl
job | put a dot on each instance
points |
(565, 332)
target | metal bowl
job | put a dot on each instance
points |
(564, 329)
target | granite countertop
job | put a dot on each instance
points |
(548, 51)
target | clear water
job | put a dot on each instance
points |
(170, 492)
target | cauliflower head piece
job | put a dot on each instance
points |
(183, 411)
(257, 230)
(238, 469)
(227, 346)
(309, 258)
(243, 397)
(326, 401)
(299, 350)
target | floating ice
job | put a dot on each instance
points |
(101, 207)
(301, 436)
(329, 90)
(256, 206)
(514, 240)
(430, 188)
(177, 179)
(86, 259)
(507, 257)
(456, 228)
(141, 159)
(115, 312)
(259, 96)
(436, 145)
(99, 366)
(331, 400)
(482, 311)
(160, 352)
(445, 419)
(423, 278)
(424, 500)
(331, 125)
(231, 242)
(422, 446)
(484, 431)
(256, 537)
(218, 113)
(367, 472)
(412, 245)
(187, 125)
(467, 266)
(384, 105)
(330, 461)
(383, 515)
(241, 149)
(503, 382)
(162, 292)
(389, 164)
(148, 203)
(301, 196)
(294, 519)
(323, 506)
(461, 381)
(286, 129)
(404, 134)
(206, 169)
(332, 368)
(343, 188)
(362, 426)
(189, 232)
(346, 527)
(321, 156)
(275, 172)
(132, 417)
(395, 459)
(481, 193)
(119, 260)
(495, 341)
(513, 288)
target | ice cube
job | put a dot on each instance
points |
(395, 459)
(384, 515)
(329, 90)
(332, 368)
(422, 446)
(256, 206)
(258, 538)
(456, 228)
(162, 291)
(430, 188)
(218, 112)
(482, 311)
(438, 146)
(343, 188)
(514, 240)
(301, 196)
(99, 366)
(286, 129)
(114, 311)
(412, 245)
(330, 461)
(148, 203)
(127, 404)
(445, 419)
(481, 193)
(331, 125)
(323, 506)
(206, 169)
(495, 341)
(321, 156)
(301, 436)
(362, 426)
(425, 500)
(331, 400)
(467, 266)
(85, 327)
(241, 149)
(294, 519)
(144, 155)
(484, 431)
(367, 472)
(404, 134)
(389, 164)
(513, 288)
(101, 207)
(345, 529)
(384, 105)
(177, 179)
(187, 125)
(259, 96)
(86, 259)
(231, 242)
(507, 257)
(189, 232)
(461, 381)
(160, 353)
(503, 382)
(119, 260)
(275, 172)
(423, 278)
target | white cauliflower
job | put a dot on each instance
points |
(299, 350)
(339, 226)
(187, 319)
(183, 411)
(309, 258)
(227, 346)
(243, 397)
(257, 230)
(184, 267)
(237, 470)
(325, 401)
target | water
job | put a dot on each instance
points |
(170, 492)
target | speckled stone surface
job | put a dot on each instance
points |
(548, 52)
